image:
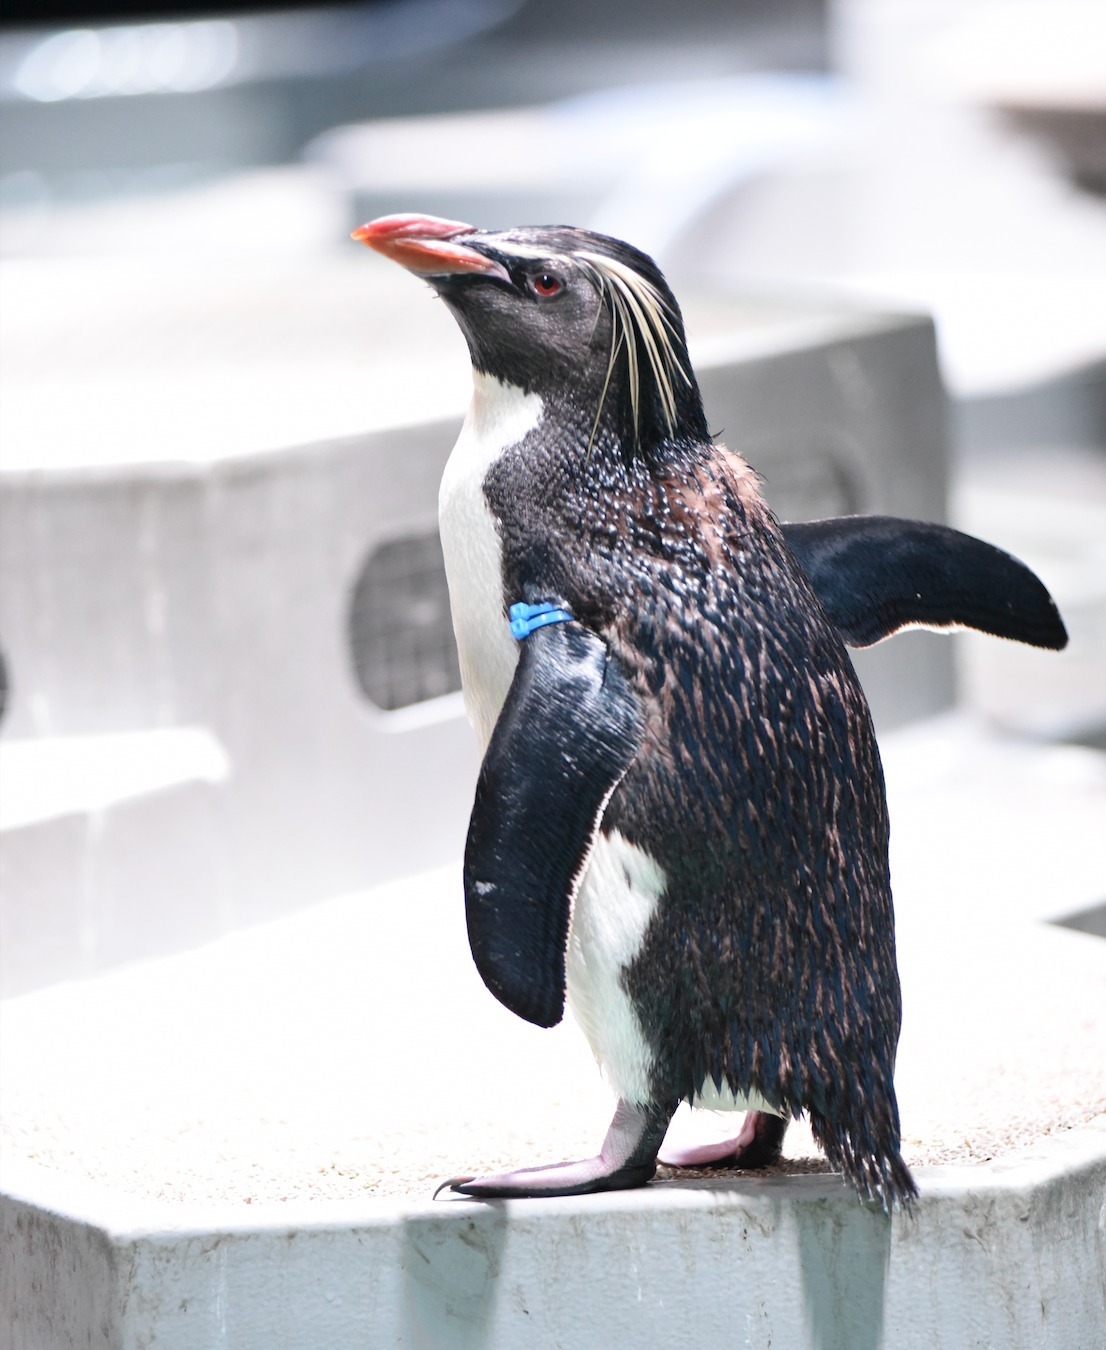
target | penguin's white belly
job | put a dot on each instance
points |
(617, 897)
(499, 416)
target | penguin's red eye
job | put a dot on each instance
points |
(545, 284)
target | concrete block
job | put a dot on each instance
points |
(112, 848)
(1008, 1256)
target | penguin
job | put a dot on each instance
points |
(680, 825)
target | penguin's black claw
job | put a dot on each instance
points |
(757, 1144)
(452, 1183)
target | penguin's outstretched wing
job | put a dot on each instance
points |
(568, 730)
(876, 575)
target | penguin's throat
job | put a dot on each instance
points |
(500, 415)
(600, 420)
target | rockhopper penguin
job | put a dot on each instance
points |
(680, 818)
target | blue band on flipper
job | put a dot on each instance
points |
(525, 618)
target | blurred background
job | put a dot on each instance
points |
(227, 670)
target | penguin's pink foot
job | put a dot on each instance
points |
(627, 1159)
(570, 1178)
(758, 1143)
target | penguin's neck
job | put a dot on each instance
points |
(499, 416)
(589, 416)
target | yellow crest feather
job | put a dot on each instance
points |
(639, 314)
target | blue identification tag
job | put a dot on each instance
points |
(525, 618)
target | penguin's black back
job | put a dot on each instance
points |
(769, 966)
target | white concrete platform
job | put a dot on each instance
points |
(1009, 1256)
(236, 1146)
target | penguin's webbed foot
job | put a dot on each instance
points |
(568, 1178)
(757, 1144)
(627, 1159)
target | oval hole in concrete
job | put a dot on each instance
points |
(399, 629)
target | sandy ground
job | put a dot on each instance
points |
(351, 1049)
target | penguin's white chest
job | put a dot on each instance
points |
(621, 885)
(500, 416)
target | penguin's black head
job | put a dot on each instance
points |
(579, 318)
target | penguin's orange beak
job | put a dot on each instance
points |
(423, 244)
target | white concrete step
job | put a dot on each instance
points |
(112, 848)
(1004, 1256)
(237, 1145)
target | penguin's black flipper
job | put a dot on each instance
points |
(876, 575)
(568, 730)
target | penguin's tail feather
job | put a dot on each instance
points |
(874, 1166)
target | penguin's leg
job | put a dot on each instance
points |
(627, 1159)
(758, 1143)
